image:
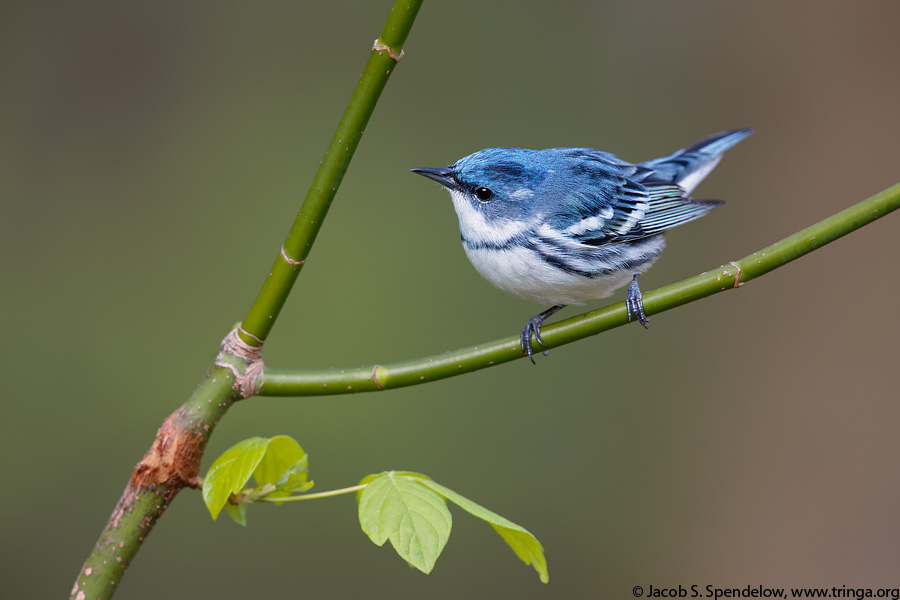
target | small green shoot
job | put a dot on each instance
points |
(408, 509)
(278, 465)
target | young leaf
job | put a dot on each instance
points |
(368, 478)
(414, 518)
(293, 480)
(285, 466)
(282, 453)
(231, 471)
(238, 513)
(525, 545)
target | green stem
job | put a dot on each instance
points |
(288, 264)
(173, 461)
(371, 378)
(346, 490)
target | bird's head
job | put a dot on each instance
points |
(496, 192)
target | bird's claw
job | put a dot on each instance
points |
(533, 326)
(634, 303)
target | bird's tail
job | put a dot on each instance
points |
(689, 166)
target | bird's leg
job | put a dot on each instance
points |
(634, 303)
(534, 326)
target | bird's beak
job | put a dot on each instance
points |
(443, 175)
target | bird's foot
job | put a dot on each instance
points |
(634, 303)
(534, 326)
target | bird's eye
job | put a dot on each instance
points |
(484, 194)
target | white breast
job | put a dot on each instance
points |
(522, 272)
(511, 266)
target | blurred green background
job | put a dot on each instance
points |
(154, 155)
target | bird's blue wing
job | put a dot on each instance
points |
(592, 195)
(607, 200)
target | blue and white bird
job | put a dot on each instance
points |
(566, 225)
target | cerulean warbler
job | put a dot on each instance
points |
(565, 225)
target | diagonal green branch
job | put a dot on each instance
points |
(173, 460)
(387, 51)
(283, 382)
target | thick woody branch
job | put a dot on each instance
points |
(171, 464)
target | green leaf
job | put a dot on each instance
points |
(366, 481)
(525, 545)
(294, 480)
(231, 471)
(368, 478)
(278, 464)
(281, 454)
(237, 512)
(285, 466)
(414, 518)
